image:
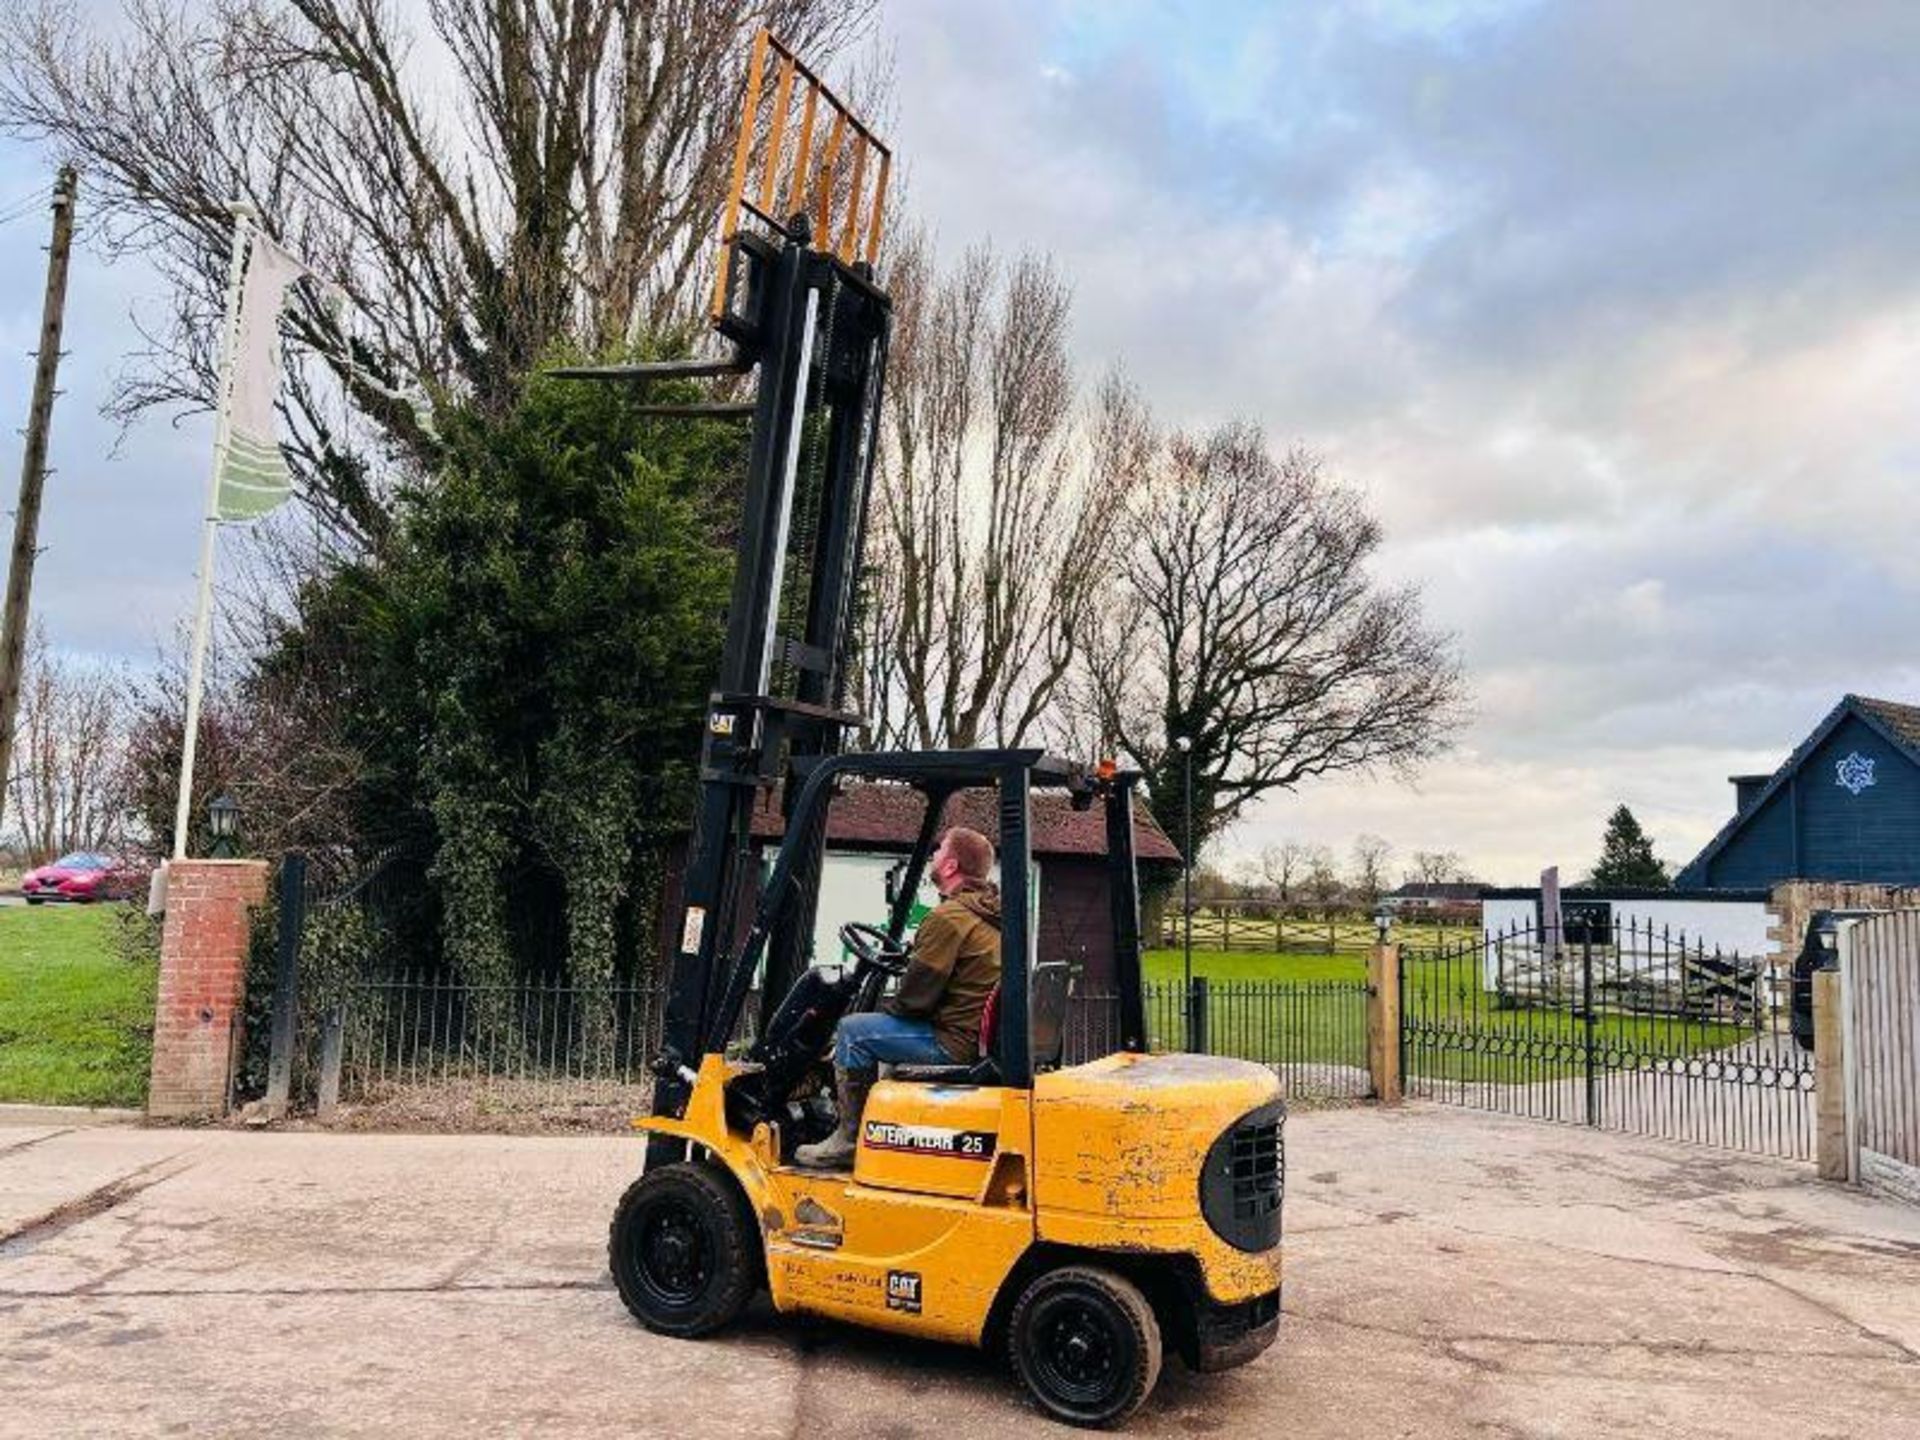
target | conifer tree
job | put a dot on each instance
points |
(1627, 860)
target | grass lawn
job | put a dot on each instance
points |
(1274, 1008)
(76, 1020)
(1253, 965)
(1280, 1008)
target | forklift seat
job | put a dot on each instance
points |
(1047, 1020)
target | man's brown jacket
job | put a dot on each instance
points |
(955, 965)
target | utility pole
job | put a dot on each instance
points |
(33, 474)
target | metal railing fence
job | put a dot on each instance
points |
(433, 1045)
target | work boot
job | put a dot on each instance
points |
(836, 1151)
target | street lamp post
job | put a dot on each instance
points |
(1185, 746)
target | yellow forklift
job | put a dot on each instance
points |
(1078, 1217)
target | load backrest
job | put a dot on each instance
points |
(1047, 999)
(1048, 1014)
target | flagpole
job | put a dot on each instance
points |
(244, 216)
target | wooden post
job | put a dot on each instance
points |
(1829, 1079)
(1383, 1023)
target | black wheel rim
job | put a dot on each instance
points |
(1081, 1354)
(671, 1255)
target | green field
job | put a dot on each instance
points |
(1276, 1009)
(1280, 1008)
(1246, 965)
(76, 1019)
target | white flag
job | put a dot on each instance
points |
(253, 473)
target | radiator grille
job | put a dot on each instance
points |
(1254, 1152)
(1244, 1181)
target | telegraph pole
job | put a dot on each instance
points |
(33, 473)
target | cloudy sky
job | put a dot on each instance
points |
(1613, 310)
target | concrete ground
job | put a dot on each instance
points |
(1449, 1273)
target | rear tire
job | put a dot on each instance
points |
(1085, 1344)
(684, 1249)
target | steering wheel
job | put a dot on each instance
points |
(874, 949)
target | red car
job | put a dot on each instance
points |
(82, 876)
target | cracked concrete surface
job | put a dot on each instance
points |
(1449, 1273)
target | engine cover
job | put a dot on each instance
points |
(928, 1138)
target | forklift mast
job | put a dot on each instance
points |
(817, 330)
(795, 296)
(797, 300)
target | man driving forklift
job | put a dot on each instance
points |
(934, 1016)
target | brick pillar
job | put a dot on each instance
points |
(203, 985)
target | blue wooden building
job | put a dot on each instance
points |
(1844, 806)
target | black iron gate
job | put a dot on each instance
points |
(1616, 1024)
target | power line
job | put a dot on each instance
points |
(27, 197)
(26, 205)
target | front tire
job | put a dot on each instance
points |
(1085, 1344)
(684, 1249)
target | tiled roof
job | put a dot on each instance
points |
(886, 816)
(1903, 720)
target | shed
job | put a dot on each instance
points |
(1844, 806)
(870, 825)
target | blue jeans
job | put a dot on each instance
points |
(869, 1039)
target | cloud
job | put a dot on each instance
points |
(1608, 309)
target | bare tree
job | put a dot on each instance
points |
(1211, 885)
(1436, 867)
(536, 173)
(275, 738)
(1372, 858)
(1321, 879)
(67, 756)
(1282, 866)
(993, 503)
(1245, 621)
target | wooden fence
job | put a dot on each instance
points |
(1880, 971)
(1265, 927)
